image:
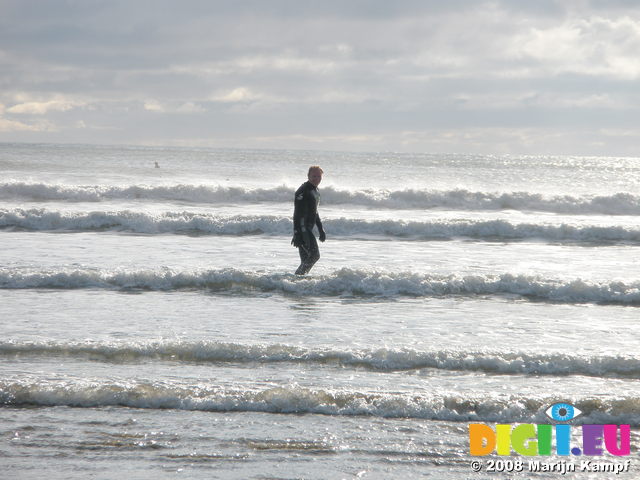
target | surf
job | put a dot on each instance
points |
(345, 282)
(375, 359)
(619, 203)
(296, 400)
(185, 222)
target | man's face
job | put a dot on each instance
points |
(315, 177)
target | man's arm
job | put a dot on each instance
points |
(298, 218)
(299, 210)
(322, 237)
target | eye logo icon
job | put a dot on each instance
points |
(562, 412)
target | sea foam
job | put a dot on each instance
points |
(344, 282)
(185, 222)
(294, 399)
(459, 199)
(377, 359)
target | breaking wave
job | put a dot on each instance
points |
(293, 399)
(460, 199)
(188, 222)
(380, 359)
(344, 282)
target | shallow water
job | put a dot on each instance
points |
(152, 325)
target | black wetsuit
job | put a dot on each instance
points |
(305, 216)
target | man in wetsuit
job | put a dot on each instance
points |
(305, 216)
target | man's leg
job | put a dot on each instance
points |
(308, 256)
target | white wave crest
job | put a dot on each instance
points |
(343, 282)
(180, 192)
(460, 199)
(188, 222)
(138, 222)
(380, 359)
(293, 399)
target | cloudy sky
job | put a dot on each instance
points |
(468, 76)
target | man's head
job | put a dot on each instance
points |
(315, 175)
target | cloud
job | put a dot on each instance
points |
(154, 106)
(547, 100)
(171, 108)
(332, 73)
(591, 46)
(190, 107)
(9, 126)
(42, 108)
(239, 94)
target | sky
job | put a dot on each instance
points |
(456, 76)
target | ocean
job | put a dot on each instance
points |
(153, 326)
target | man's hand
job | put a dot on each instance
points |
(323, 236)
(297, 241)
